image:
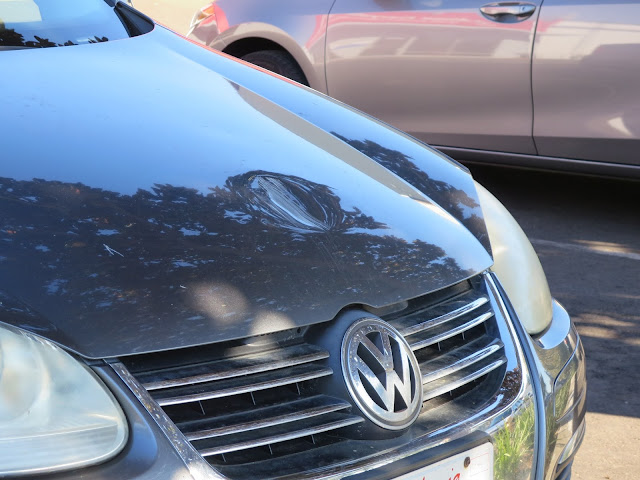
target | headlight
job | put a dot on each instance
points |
(517, 265)
(55, 414)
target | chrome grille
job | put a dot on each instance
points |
(236, 386)
(452, 341)
(250, 403)
(231, 367)
(304, 427)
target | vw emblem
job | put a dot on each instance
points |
(382, 373)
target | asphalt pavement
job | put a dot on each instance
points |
(586, 231)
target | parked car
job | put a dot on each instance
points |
(547, 85)
(209, 272)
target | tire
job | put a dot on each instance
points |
(279, 62)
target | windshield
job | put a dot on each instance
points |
(57, 23)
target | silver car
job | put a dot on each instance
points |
(548, 85)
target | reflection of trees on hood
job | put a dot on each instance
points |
(455, 201)
(286, 244)
(10, 38)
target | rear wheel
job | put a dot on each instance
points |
(279, 62)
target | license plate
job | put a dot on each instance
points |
(474, 464)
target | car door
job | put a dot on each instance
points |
(450, 72)
(586, 80)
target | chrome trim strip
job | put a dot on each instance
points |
(449, 386)
(259, 362)
(434, 322)
(281, 437)
(197, 466)
(451, 333)
(316, 372)
(457, 365)
(332, 405)
(525, 347)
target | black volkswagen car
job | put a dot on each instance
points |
(208, 271)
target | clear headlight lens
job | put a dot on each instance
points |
(517, 265)
(55, 414)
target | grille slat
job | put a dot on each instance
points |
(262, 417)
(459, 358)
(236, 386)
(459, 379)
(276, 434)
(460, 307)
(446, 331)
(231, 367)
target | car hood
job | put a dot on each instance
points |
(149, 202)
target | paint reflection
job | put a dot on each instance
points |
(455, 201)
(174, 266)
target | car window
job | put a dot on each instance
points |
(56, 23)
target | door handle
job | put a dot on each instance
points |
(508, 12)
